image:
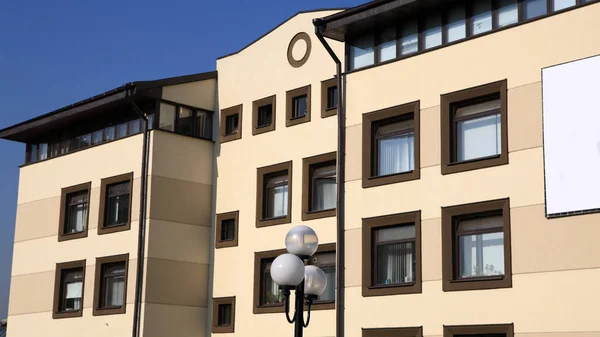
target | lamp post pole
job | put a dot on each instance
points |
(299, 324)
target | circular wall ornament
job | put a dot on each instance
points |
(297, 63)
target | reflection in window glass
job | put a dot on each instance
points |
(481, 247)
(562, 4)
(409, 41)
(433, 31)
(481, 19)
(43, 151)
(362, 52)
(167, 117)
(33, 153)
(97, 137)
(478, 129)
(122, 130)
(534, 8)
(109, 133)
(134, 126)
(456, 28)
(387, 46)
(508, 12)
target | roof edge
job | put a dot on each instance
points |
(281, 24)
(353, 10)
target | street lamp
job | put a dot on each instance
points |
(289, 272)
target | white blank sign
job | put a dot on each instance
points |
(571, 115)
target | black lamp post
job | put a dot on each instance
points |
(290, 273)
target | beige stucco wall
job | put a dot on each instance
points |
(555, 263)
(259, 71)
(199, 94)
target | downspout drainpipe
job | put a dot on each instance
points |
(340, 189)
(139, 281)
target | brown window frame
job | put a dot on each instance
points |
(63, 218)
(238, 109)
(450, 218)
(374, 119)
(260, 258)
(396, 332)
(325, 86)
(218, 301)
(449, 103)
(219, 242)
(487, 329)
(102, 211)
(261, 174)
(60, 267)
(256, 105)
(308, 166)
(98, 284)
(289, 111)
(369, 225)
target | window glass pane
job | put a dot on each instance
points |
(490, 222)
(395, 148)
(117, 209)
(534, 8)
(508, 12)
(265, 115)
(150, 122)
(134, 127)
(97, 137)
(395, 233)
(478, 137)
(387, 46)
(121, 130)
(409, 40)
(324, 188)
(228, 230)
(224, 315)
(329, 293)
(395, 263)
(433, 31)
(85, 141)
(277, 197)
(332, 97)
(231, 124)
(109, 133)
(456, 28)
(185, 124)
(77, 210)
(481, 254)
(481, 20)
(361, 52)
(71, 289)
(115, 289)
(167, 117)
(33, 154)
(562, 4)
(270, 291)
(299, 106)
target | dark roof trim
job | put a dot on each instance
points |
(101, 99)
(281, 24)
(354, 10)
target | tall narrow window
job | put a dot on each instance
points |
(362, 52)
(391, 145)
(167, 117)
(326, 261)
(115, 204)
(298, 106)
(323, 188)
(481, 18)
(319, 186)
(456, 28)
(534, 8)
(231, 123)
(68, 289)
(74, 212)
(186, 123)
(109, 133)
(507, 12)
(387, 44)
(97, 137)
(110, 292)
(223, 315)
(409, 38)
(392, 249)
(329, 97)
(271, 294)
(227, 230)
(273, 194)
(432, 34)
(332, 97)
(263, 115)
(33, 153)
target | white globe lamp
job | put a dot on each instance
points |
(302, 241)
(287, 270)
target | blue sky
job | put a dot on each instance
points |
(54, 53)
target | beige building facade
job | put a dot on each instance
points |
(440, 132)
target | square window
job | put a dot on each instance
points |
(393, 332)
(319, 186)
(110, 293)
(263, 115)
(274, 191)
(474, 128)
(231, 123)
(477, 237)
(391, 145)
(298, 106)
(489, 330)
(329, 98)
(392, 254)
(223, 315)
(68, 289)
(227, 230)
(115, 204)
(74, 212)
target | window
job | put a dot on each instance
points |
(432, 35)
(115, 204)
(507, 12)
(562, 4)
(456, 27)
(68, 289)
(362, 52)
(319, 186)
(329, 97)
(474, 128)
(227, 230)
(263, 115)
(481, 17)
(110, 293)
(393, 332)
(274, 194)
(476, 246)
(392, 254)
(223, 315)
(298, 106)
(490, 330)
(534, 8)
(409, 38)
(122, 130)
(74, 212)
(167, 117)
(231, 123)
(391, 145)
(386, 49)
(325, 259)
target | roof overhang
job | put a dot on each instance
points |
(379, 13)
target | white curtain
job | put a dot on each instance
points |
(479, 137)
(396, 154)
(395, 263)
(78, 218)
(74, 291)
(280, 201)
(115, 291)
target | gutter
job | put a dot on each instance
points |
(340, 188)
(139, 281)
